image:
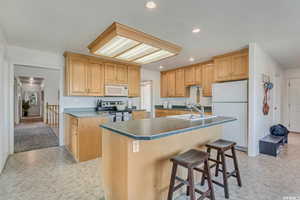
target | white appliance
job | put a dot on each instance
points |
(116, 90)
(231, 99)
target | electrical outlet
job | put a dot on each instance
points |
(135, 146)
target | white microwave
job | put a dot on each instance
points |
(116, 90)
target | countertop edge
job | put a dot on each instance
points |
(166, 134)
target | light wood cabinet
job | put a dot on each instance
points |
(83, 76)
(77, 76)
(240, 66)
(83, 137)
(95, 79)
(189, 75)
(87, 75)
(198, 74)
(141, 114)
(171, 83)
(180, 89)
(134, 79)
(122, 74)
(163, 84)
(223, 69)
(110, 73)
(207, 79)
(233, 66)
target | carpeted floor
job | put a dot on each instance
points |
(34, 136)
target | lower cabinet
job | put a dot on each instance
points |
(83, 137)
(141, 114)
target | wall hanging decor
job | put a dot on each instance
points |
(267, 85)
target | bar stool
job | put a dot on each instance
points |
(222, 146)
(190, 160)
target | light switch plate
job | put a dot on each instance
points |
(135, 146)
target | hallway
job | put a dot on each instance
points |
(31, 136)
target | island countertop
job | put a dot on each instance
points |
(149, 129)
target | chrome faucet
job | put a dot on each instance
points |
(201, 110)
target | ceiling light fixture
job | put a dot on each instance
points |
(127, 44)
(191, 59)
(151, 4)
(161, 67)
(196, 30)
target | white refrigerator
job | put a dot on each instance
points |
(231, 99)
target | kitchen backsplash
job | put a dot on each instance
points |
(206, 101)
(86, 102)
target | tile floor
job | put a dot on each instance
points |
(51, 174)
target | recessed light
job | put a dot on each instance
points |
(192, 59)
(161, 67)
(151, 4)
(196, 30)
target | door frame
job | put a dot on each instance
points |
(288, 102)
(11, 100)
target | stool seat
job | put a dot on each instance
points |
(191, 158)
(221, 144)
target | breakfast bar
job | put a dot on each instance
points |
(136, 154)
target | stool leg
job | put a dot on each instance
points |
(236, 167)
(188, 187)
(209, 181)
(218, 164)
(172, 182)
(224, 169)
(192, 184)
(203, 175)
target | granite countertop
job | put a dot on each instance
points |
(180, 107)
(90, 112)
(149, 129)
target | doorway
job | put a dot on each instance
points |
(294, 104)
(36, 110)
(147, 96)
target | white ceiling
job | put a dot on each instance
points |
(60, 25)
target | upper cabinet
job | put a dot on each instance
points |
(198, 74)
(180, 89)
(134, 79)
(87, 76)
(189, 75)
(95, 78)
(172, 84)
(164, 84)
(116, 73)
(207, 79)
(83, 77)
(233, 66)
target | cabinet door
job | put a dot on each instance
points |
(240, 66)
(223, 69)
(189, 75)
(198, 74)
(139, 115)
(110, 73)
(134, 79)
(180, 89)
(95, 78)
(122, 74)
(163, 85)
(78, 80)
(207, 79)
(171, 83)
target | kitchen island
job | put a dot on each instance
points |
(136, 153)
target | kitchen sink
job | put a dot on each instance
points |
(192, 117)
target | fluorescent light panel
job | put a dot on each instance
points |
(154, 57)
(116, 46)
(137, 52)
